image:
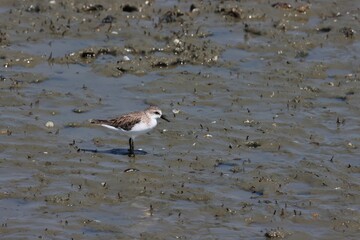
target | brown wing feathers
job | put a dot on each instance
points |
(125, 122)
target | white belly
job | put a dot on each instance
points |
(138, 129)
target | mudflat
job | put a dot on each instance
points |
(263, 98)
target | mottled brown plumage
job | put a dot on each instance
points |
(125, 122)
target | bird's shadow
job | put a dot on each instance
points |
(115, 151)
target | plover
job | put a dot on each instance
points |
(133, 124)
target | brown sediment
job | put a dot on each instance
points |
(263, 142)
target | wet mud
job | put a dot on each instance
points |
(262, 97)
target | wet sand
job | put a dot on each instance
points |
(263, 102)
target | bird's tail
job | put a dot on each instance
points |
(98, 121)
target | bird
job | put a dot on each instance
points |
(133, 124)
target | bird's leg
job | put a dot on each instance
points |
(131, 149)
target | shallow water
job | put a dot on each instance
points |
(265, 142)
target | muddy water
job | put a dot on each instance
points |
(263, 102)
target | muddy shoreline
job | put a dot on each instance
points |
(263, 99)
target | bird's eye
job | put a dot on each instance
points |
(157, 113)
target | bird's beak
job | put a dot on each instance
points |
(164, 117)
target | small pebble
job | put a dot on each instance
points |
(5, 132)
(50, 124)
(131, 170)
(108, 19)
(175, 111)
(177, 41)
(78, 110)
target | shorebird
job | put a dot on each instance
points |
(133, 124)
